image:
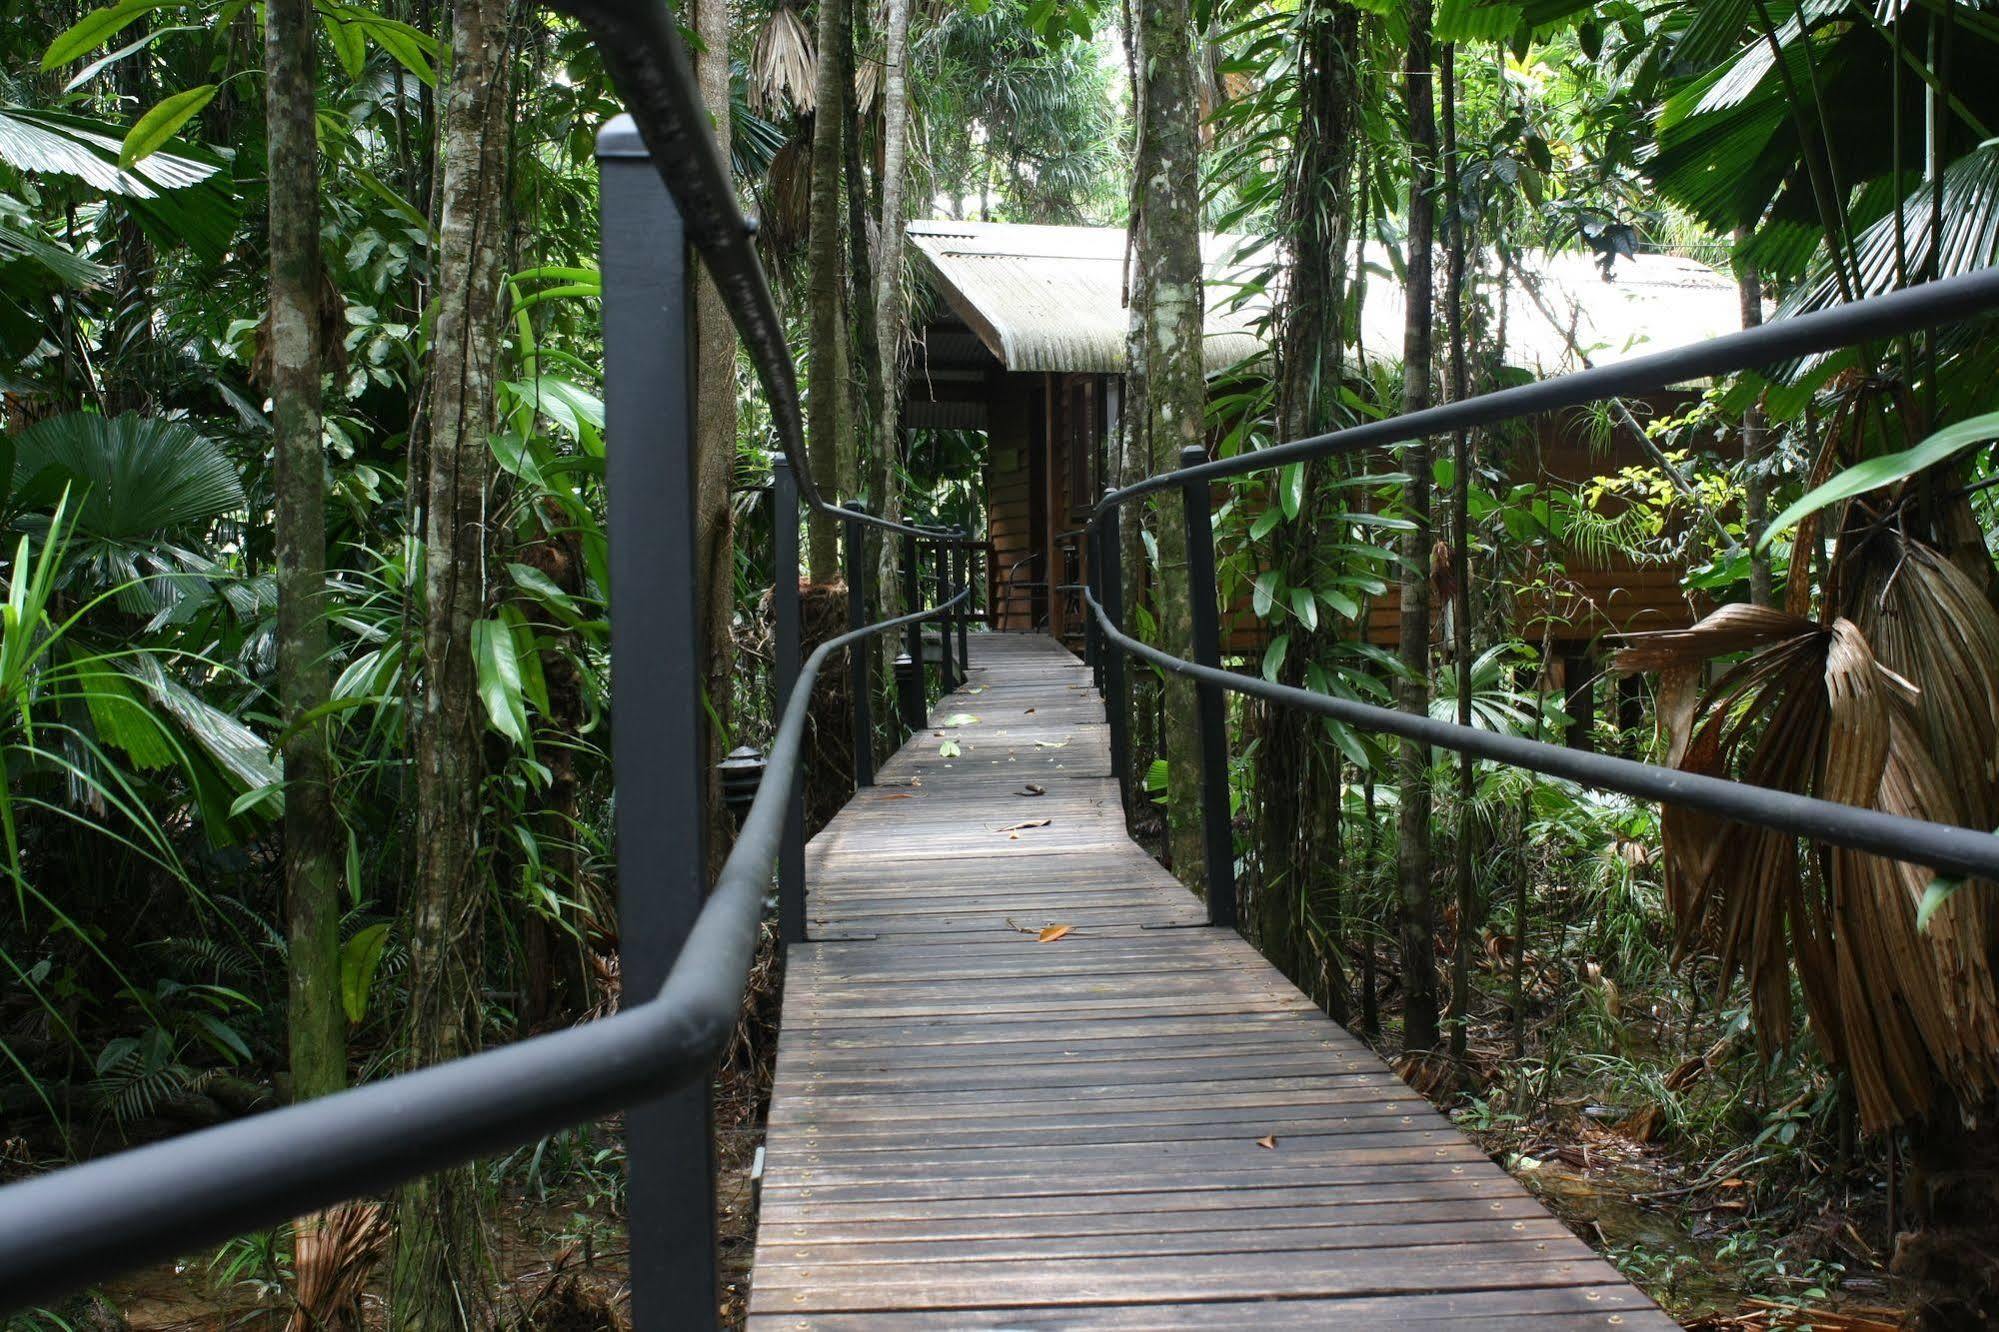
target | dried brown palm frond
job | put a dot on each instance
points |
(867, 83)
(1892, 703)
(784, 65)
(337, 1249)
(785, 200)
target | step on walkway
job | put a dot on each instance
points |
(1139, 1124)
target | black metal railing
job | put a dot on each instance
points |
(1941, 847)
(686, 951)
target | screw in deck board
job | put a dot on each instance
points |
(784, 592)
(1218, 839)
(860, 677)
(657, 742)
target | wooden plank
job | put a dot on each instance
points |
(974, 1129)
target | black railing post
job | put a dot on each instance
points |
(1114, 696)
(784, 595)
(947, 675)
(909, 668)
(963, 615)
(1217, 837)
(1093, 655)
(657, 741)
(861, 654)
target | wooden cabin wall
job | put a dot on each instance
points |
(1014, 412)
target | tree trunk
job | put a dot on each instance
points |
(1292, 856)
(442, 1273)
(715, 455)
(1755, 449)
(1134, 459)
(864, 352)
(1169, 254)
(824, 387)
(891, 317)
(132, 366)
(1419, 1019)
(1454, 316)
(891, 323)
(316, 1021)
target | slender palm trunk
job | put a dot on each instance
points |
(1419, 1029)
(1297, 866)
(317, 1024)
(825, 389)
(1461, 650)
(442, 1273)
(1755, 449)
(1169, 255)
(715, 452)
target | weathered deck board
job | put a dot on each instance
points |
(972, 1129)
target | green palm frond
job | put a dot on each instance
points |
(137, 477)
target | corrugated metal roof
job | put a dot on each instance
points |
(1051, 298)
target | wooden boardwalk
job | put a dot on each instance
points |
(1139, 1124)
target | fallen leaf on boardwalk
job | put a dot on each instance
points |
(899, 795)
(1031, 823)
(1051, 744)
(1028, 713)
(1270, 1142)
(1030, 789)
(1051, 933)
(949, 749)
(977, 689)
(961, 719)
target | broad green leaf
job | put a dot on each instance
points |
(1273, 656)
(406, 46)
(1266, 523)
(1306, 607)
(1265, 595)
(1340, 602)
(1291, 489)
(161, 123)
(359, 957)
(93, 30)
(500, 679)
(949, 749)
(1886, 470)
(350, 46)
(353, 867)
(223, 1037)
(546, 591)
(102, 63)
(534, 687)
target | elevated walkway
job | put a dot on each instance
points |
(1136, 1124)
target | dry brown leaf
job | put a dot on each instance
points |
(1269, 1140)
(1030, 789)
(1031, 823)
(1050, 933)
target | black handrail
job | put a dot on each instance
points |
(648, 63)
(1942, 847)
